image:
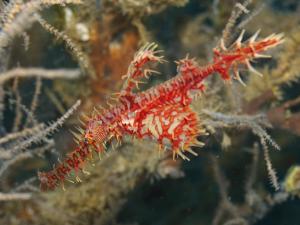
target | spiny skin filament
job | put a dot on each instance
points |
(161, 113)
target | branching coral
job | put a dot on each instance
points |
(144, 7)
(254, 203)
(39, 72)
(104, 190)
(256, 124)
(18, 16)
(26, 138)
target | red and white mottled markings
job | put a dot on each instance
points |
(174, 127)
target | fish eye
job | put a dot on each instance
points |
(88, 139)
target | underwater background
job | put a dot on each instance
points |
(55, 52)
